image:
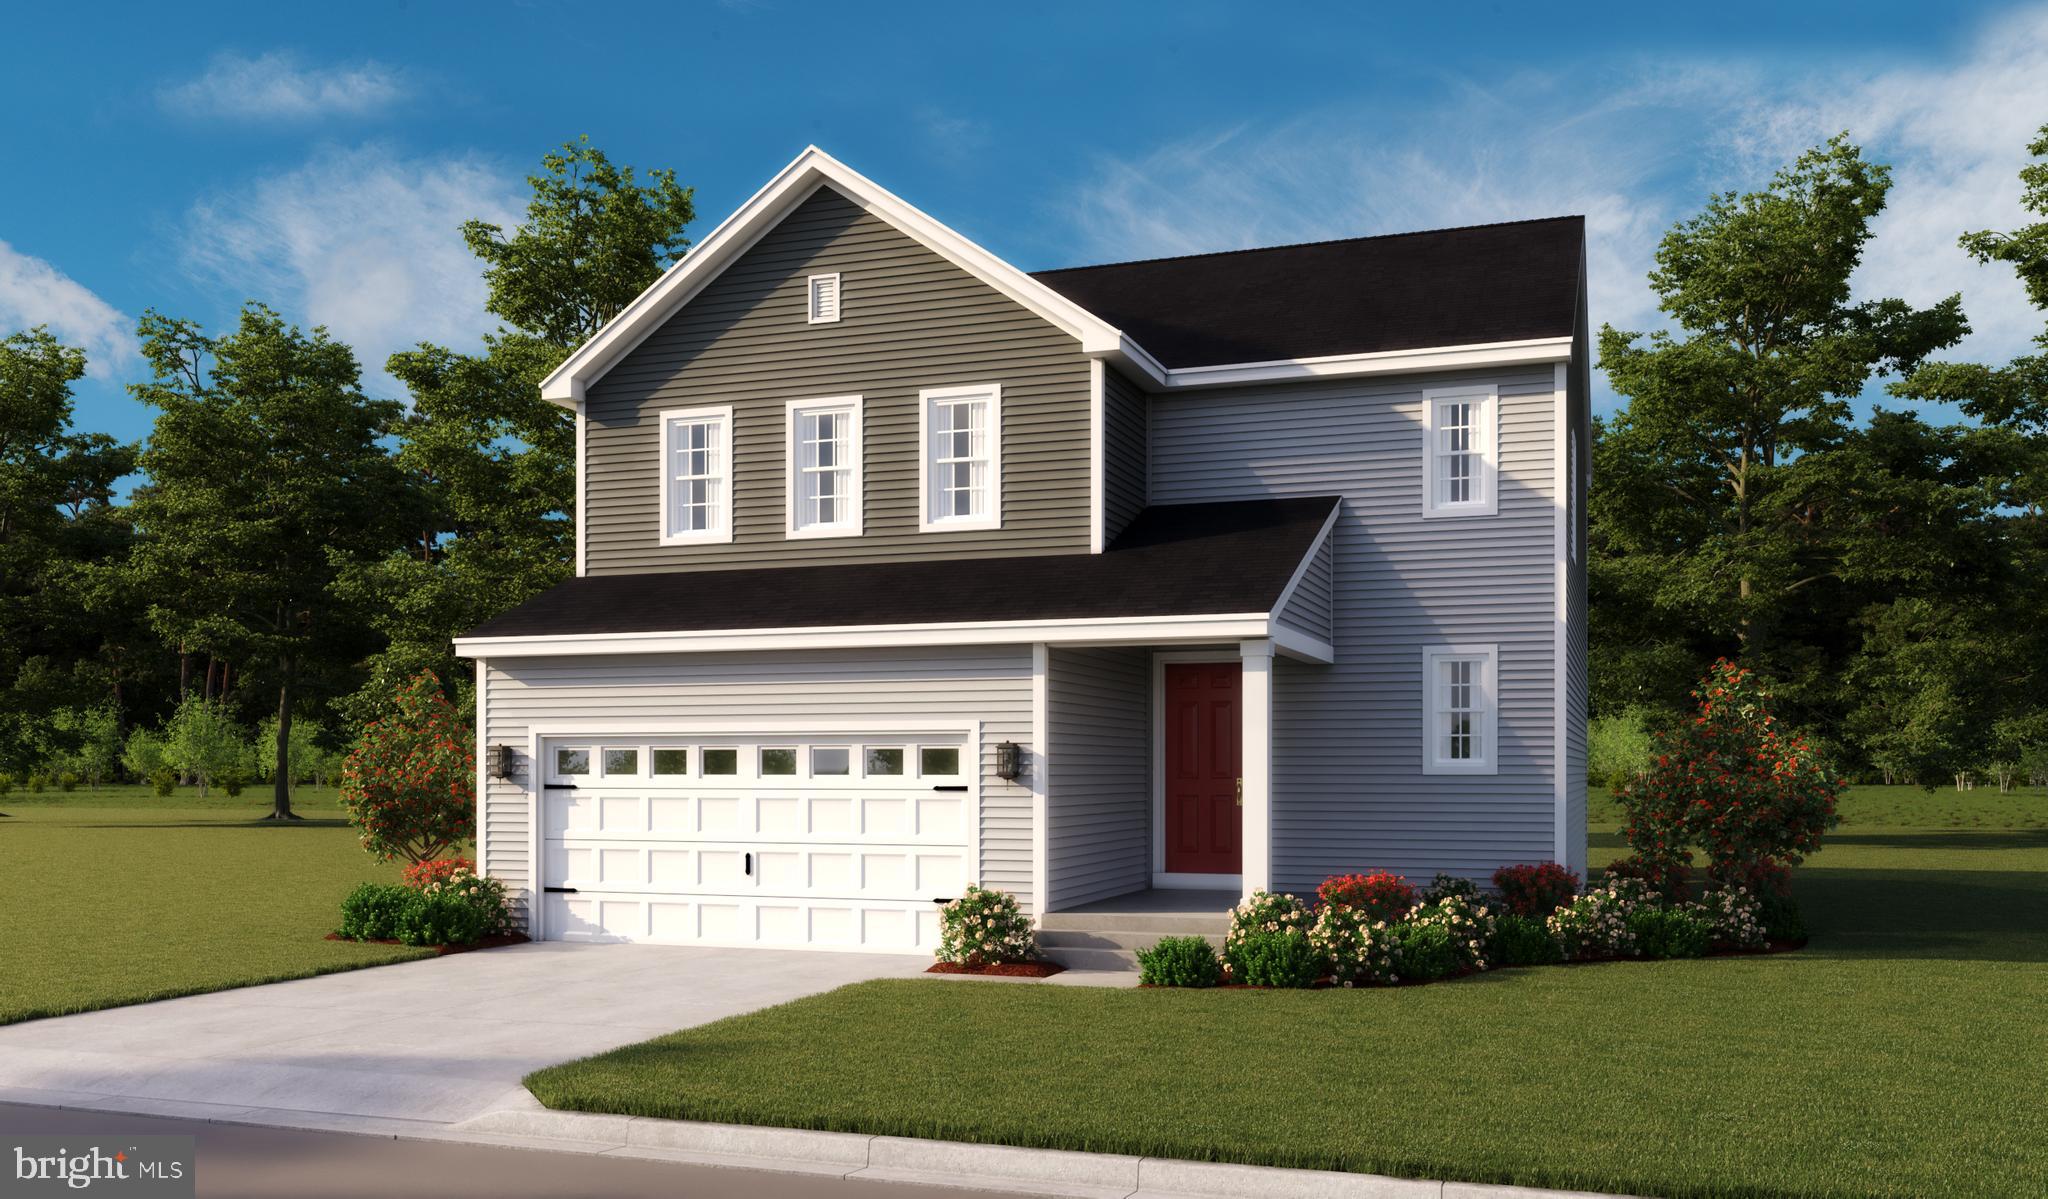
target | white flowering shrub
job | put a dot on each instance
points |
(1266, 912)
(1737, 916)
(1468, 922)
(1360, 950)
(1268, 943)
(1596, 923)
(985, 926)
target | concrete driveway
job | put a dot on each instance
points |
(404, 1047)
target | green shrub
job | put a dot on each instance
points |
(1275, 959)
(232, 780)
(985, 926)
(1359, 947)
(67, 781)
(1425, 951)
(442, 918)
(1467, 924)
(36, 782)
(1180, 962)
(163, 780)
(144, 756)
(371, 911)
(461, 883)
(6, 783)
(1734, 915)
(1618, 747)
(1670, 932)
(1450, 886)
(1523, 941)
(1780, 917)
(1596, 924)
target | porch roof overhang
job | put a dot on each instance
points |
(1179, 574)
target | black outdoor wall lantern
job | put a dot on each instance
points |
(499, 759)
(1009, 761)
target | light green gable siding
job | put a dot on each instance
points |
(912, 320)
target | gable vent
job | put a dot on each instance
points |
(824, 303)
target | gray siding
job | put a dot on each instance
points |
(1579, 389)
(1310, 609)
(990, 684)
(1099, 826)
(1123, 452)
(1349, 792)
(912, 320)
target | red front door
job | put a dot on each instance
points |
(1203, 818)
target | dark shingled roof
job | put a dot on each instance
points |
(1179, 560)
(1446, 287)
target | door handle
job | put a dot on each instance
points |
(1240, 793)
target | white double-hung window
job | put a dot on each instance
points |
(824, 467)
(696, 476)
(962, 466)
(1461, 454)
(1460, 686)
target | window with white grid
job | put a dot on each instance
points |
(1459, 470)
(1459, 683)
(963, 457)
(824, 467)
(696, 478)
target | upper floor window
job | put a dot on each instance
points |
(1461, 458)
(825, 467)
(1461, 713)
(963, 457)
(696, 476)
(823, 302)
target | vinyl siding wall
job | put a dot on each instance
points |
(1123, 452)
(1579, 387)
(1313, 604)
(810, 689)
(1349, 792)
(911, 320)
(1099, 826)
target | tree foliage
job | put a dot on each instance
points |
(409, 785)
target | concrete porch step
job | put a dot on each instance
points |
(1121, 960)
(1157, 924)
(1074, 939)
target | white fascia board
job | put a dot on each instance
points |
(1386, 362)
(762, 211)
(1145, 630)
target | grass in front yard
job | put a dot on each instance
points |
(114, 896)
(1900, 1054)
(1898, 807)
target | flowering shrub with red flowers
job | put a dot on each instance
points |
(1732, 782)
(1667, 878)
(440, 870)
(1380, 895)
(409, 785)
(1536, 890)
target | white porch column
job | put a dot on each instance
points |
(1255, 764)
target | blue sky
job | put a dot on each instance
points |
(189, 157)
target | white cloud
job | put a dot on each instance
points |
(365, 241)
(32, 292)
(281, 87)
(1634, 153)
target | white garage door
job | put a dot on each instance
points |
(820, 841)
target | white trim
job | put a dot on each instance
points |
(814, 168)
(1255, 764)
(582, 475)
(1305, 647)
(481, 744)
(1486, 448)
(1096, 435)
(1381, 362)
(856, 452)
(1040, 768)
(811, 300)
(1489, 724)
(1161, 876)
(1126, 630)
(721, 532)
(1560, 649)
(993, 518)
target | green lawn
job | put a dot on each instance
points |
(1900, 1054)
(113, 896)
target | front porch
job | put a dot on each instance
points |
(1106, 934)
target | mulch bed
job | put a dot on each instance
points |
(497, 942)
(1006, 969)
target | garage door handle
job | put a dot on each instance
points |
(558, 786)
(559, 890)
(750, 865)
(960, 787)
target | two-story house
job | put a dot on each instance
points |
(900, 568)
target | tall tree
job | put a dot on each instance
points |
(491, 464)
(266, 481)
(1692, 531)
